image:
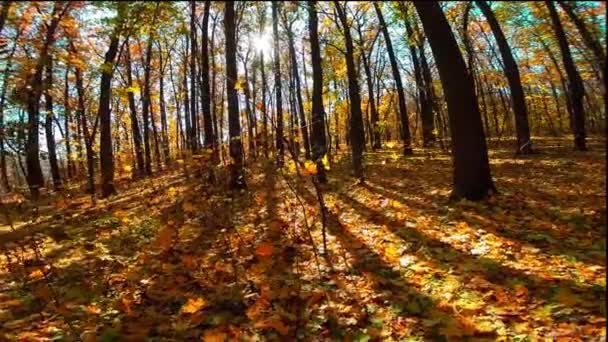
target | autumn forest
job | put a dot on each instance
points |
(302, 171)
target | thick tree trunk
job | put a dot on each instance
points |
(277, 85)
(105, 123)
(48, 126)
(318, 142)
(405, 126)
(575, 83)
(472, 178)
(357, 137)
(237, 176)
(522, 128)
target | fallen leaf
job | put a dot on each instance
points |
(193, 305)
(265, 249)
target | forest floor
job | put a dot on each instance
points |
(176, 259)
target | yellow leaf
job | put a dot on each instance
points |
(325, 162)
(193, 305)
(390, 144)
(310, 167)
(127, 168)
(265, 249)
(391, 251)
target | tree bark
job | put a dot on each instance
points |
(405, 126)
(34, 91)
(139, 156)
(575, 83)
(318, 142)
(237, 177)
(145, 110)
(592, 43)
(209, 139)
(277, 85)
(105, 123)
(193, 113)
(48, 125)
(356, 134)
(472, 178)
(522, 127)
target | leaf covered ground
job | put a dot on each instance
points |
(173, 259)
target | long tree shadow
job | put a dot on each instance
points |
(435, 318)
(449, 258)
(574, 241)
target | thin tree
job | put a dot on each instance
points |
(33, 92)
(522, 128)
(318, 142)
(277, 85)
(405, 125)
(472, 178)
(209, 139)
(237, 176)
(576, 90)
(357, 137)
(48, 126)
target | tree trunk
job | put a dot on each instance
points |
(405, 126)
(88, 138)
(592, 43)
(357, 137)
(66, 125)
(575, 83)
(209, 139)
(105, 132)
(48, 125)
(34, 91)
(318, 142)
(522, 128)
(193, 113)
(249, 112)
(472, 178)
(145, 110)
(139, 156)
(237, 176)
(163, 107)
(426, 112)
(298, 93)
(277, 85)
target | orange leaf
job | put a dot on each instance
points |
(265, 249)
(36, 274)
(194, 304)
(215, 335)
(93, 309)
